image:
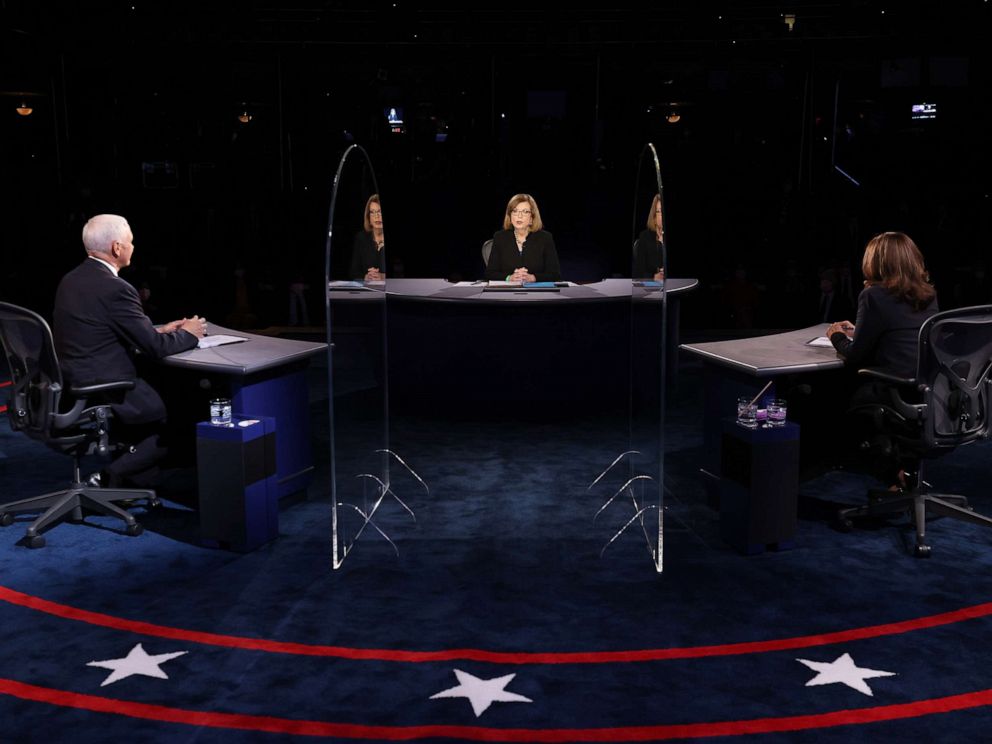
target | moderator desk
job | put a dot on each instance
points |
(462, 343)
(742, 367)
(263, 376)
(430, 318)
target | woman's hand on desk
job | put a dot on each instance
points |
(522, 275)
(845, 326)
(374, 275)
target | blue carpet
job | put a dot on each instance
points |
(504, 558)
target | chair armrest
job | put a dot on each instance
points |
(101, 387)
(886, 377)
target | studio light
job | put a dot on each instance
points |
(24, 109)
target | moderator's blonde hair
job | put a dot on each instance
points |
(374, 199)
(536, 224)
(652, 222)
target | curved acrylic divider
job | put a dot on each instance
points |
(632, 485)
(362, 500)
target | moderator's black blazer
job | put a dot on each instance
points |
(887, 333)
(99, 324)
(647, 255)
(539, 256)
(364, 255)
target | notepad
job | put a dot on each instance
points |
(208, 342)
(821, 341)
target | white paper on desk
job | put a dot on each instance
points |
(208, 342)
(468, 284)
(820, 341)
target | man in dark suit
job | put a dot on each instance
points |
(100, 326)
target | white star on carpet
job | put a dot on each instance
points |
(482, 693)
(137, 661)
(843, 670)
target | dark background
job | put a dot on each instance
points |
(136, 103)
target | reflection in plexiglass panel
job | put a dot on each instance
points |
(364, 497)
(632, 483)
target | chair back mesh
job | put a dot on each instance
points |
(34, 370)
(955, 362)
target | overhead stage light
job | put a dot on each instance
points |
(24, 109)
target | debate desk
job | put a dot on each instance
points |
(263, 376)
(464, 346)
(742, 367)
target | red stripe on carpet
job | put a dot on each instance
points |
(498, 657)
(272, 724)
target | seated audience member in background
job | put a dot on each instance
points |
(368, 259)
(99, 326)
(522, 250)
(895, 302)
(648, 262)
(833, 304)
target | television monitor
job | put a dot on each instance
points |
(924, 111)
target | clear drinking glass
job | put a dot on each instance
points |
(220, 412)
(776, 412)
(747, 413)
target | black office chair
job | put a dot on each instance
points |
(35, 399)
(487, 249)
(947, 404)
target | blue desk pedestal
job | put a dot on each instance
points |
(236, 469)
(281, 394)
(759, 486)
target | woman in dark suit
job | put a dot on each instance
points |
(895, 302)
(522, 250)
(648, 257)
(368, 259)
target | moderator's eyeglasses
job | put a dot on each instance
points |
(522, 212)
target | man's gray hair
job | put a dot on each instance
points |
(100, 232)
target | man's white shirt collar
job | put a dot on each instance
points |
(108, 265)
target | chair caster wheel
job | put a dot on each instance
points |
(843, 524)
(34, 541)
(133, 530)
(922, 551)
(6, 519)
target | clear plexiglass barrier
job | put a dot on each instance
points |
(365, 501)
(630, 489)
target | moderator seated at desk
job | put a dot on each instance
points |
(740, 367)
(263, 376)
